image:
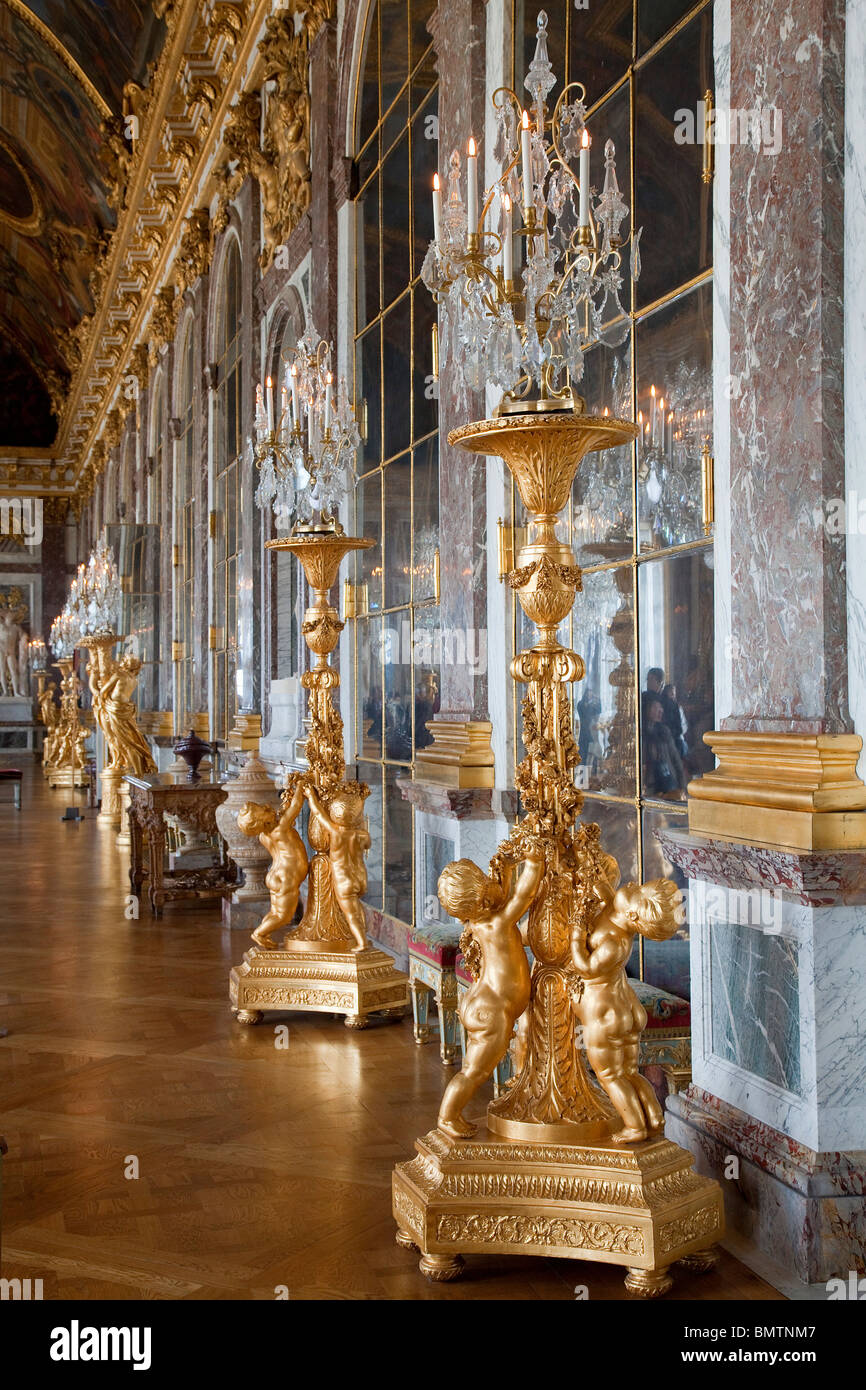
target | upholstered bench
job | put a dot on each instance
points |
(13, 775)
(666, 1041)
(432, 960)
(667, 1038)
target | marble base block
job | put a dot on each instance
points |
(807, 1209)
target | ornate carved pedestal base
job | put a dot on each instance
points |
(641, 1206)
(109, 812)
(354, 983)
(67, 777)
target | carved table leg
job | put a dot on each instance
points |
(157, 867)
(420, 1011)
(356, 1021)
(404, 1240)
(249, 1016)
(446, 1003)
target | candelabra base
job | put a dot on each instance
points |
(354, 983)
(640, 1206)
(67, 777)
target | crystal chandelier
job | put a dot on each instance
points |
(306, 453)
(63, 637)
(36, 654)
(528, 338)
(95, 594)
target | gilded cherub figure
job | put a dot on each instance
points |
(491, 907)
(289, 862)
(349, 840)
(613, 1017)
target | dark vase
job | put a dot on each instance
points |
(192, 749)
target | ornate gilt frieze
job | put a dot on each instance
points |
(228, 98)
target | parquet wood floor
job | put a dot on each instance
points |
(258, 1166)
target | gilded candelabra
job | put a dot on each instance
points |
(563, 1167)
(325, 963)
(92, 610)
(305, 459)
(63, 755)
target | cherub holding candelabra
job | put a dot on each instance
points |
(493, 947)
(604, 1002)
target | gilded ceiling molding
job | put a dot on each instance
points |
(50, 39)
(195, 120)
(24, 226)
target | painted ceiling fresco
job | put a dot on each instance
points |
(54, 217)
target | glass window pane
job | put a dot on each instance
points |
(394, 19)
(602, 495)
(371, 773)
(368, 394)
(368, 93)
(675, 605)
(425, 647)
(674, 205)
(605, 698)
(368, 522)
(618, 825)
(665, 963)
(395, 222)
(397, 480)
(368, 296)
(394, 124)
(399, 849)
(397, 650)
(397, 362)
(425, 392)
(674, 365)
(425, 506)
(369, 687)
(600, 45)
(420, 13)
(425, 163)
(656, 17)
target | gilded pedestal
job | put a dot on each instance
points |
(642, 1206)
(565, 1166)
(325, 964)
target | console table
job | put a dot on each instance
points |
(151, 798)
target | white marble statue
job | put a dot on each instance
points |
(13, 641)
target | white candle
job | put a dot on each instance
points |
(652, 418)
(328, 380)
(296, 409)
(584, 179)
(437, 209)
(472, 187)
(284, 405)
(526, 155)
(507, 265)
(270, 386)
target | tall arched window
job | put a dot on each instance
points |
(227, 435)
(186, 702)
(397, 500)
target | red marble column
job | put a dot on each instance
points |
(788, 600)
(323, 205)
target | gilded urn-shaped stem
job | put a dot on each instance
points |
(324, 924)
(550, 1097)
